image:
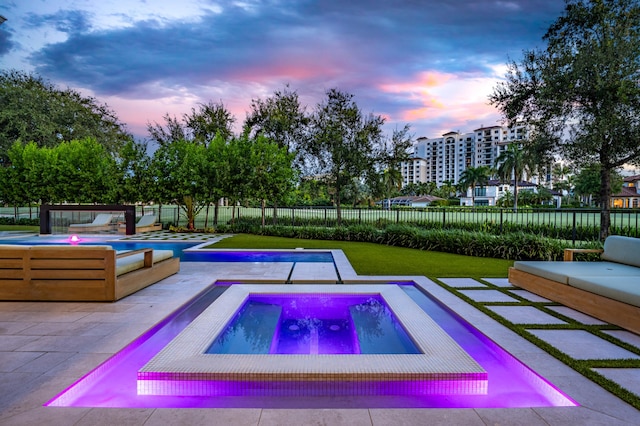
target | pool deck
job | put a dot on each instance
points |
(45, 347)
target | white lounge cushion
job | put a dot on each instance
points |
(14, 247)
(146, 220)
(136, 261)
(623, 289)
(101, 220)
(622, 250)
(562, 271)
(70, 247)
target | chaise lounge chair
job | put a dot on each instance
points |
(146, 223)
(102, 222)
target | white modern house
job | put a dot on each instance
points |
(495, 189)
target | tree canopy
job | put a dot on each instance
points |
(34, 110)
(343, 141)
(582, 92)
(201, 126)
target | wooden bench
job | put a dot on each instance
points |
(80, 273)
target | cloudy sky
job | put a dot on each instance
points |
(431, 64)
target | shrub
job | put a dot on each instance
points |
(512, 246)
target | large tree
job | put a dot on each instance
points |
(280, 117)
(179, 171)
(35, 110)
(272, 176)
(76, 171)
(393, 152)
(582, 93)
(201, 126)
(134, 168)
(343, 141)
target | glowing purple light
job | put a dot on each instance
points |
(114, 384)
(74, 239)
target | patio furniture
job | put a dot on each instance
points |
(80, 273)
(146, 223)
(608, 290)
(102, 222)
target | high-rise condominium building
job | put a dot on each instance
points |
(445, 158)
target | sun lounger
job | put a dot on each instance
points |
(102, 222)
(146, 223)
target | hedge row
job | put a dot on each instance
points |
(21, 221)
(513, 246)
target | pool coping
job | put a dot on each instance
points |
(183, 367)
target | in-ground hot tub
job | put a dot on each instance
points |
(312, 340)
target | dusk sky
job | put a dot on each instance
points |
(431, 64)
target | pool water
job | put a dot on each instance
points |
(314, 324)
(180, 250)
(258, 256)
(177, 247)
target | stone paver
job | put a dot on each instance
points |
(319, 273)
(628, 378)
(531, 297)
(525, 315)
(488, 296)
(580, 344)
(461, 282)
(625, 336)
(499, 282)
(578, 316)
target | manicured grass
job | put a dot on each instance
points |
(4, 228)
(376, 259)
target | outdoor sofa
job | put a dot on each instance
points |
(80, 273)
(608, 289)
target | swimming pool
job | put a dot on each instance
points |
(178, 248)
(511, 383)
(186, 252)
(307, 256)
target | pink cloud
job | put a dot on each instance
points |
(453, 101)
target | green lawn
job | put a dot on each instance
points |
(375, 259)
(19, 228)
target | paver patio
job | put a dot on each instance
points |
(45, 347)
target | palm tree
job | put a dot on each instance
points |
(474, 176)
(391, 182)
(513, 163)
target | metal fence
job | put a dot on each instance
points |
(572, 224)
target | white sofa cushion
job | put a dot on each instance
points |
(623, 289)
(562, 271)
(622, 250)
(136, 261)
